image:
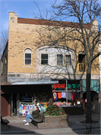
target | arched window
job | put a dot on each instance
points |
(28, 57)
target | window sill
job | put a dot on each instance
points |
(27, 67)
(82, 71)
(44, 65)
(64, 66)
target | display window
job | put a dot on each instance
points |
(26, 97)
(69, 96)
(29, 101)
(42, 97)
(26, 104)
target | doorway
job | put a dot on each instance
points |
(13, 105)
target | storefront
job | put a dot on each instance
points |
(24, 96)
(72, 93)
(29, 101)
(19, 98)
(67, 93)
(95, 88)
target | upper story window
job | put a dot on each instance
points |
(28, 57)
(44, 59)
(81, 58)
(59, 59)
(67, 60)
(82, 64)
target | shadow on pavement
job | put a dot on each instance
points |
(78, 125)
(19, 128)
(72, 125)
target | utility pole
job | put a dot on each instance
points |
(66, 91)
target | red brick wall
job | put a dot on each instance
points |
(4, 105)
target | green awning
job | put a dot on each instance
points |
(94, 85)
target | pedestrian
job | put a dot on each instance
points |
(34, 115)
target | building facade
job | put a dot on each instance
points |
(38, 66)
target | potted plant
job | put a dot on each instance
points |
(54, 110)
(55, 115)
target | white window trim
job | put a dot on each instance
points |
(28, 51)
(62, 61)
(65, 59)
(40, 59)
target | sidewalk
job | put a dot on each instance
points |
(73, 126)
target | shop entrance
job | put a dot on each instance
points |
(94, 101)
(13, 105)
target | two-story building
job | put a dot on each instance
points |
(36, 68)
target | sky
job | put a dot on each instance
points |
(23, 8)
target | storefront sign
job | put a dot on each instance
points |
(58, 86)
(69, 86)
(26, 99)
(73, 86)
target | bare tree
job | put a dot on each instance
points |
(83, 11)
(84, 33)
(3, 41)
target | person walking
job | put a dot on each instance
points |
(34, 115)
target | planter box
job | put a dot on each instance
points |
(55, 118)
(55, 121)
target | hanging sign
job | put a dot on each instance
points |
(54, 95)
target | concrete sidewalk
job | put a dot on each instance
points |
(73, 126)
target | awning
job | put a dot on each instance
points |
(94, 85)
(5, 83)
(35, 83)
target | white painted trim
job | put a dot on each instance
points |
(24, 58)
(40, 58)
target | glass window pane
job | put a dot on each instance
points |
(59, 59)
(27, 61)
(44, 62)
(44, 59)
(44, 56)
(27, 55)
(67, 59)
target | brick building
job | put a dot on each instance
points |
(32, 63)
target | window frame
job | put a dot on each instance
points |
(44, 59)
(27, 51)
(57, 59)
(82, 66)
(70, 60)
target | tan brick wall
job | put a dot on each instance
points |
(21, 37)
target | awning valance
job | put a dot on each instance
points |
(94, 85)
(35, 83)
